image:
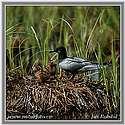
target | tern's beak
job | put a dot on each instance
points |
(51, 51)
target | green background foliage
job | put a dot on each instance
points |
(90, 32)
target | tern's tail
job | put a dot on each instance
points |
(94, 70)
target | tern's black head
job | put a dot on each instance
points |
(61, 51)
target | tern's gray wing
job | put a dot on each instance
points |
(78, 60)
(90, 67)
(72, 64)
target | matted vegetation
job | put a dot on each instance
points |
(33, 91)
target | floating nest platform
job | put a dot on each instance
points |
(55, 97)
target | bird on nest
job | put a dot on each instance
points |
(75, 65)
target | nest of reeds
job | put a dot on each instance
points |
(48, 94)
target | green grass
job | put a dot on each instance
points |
(86, 32)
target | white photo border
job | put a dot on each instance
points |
(122, 39)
